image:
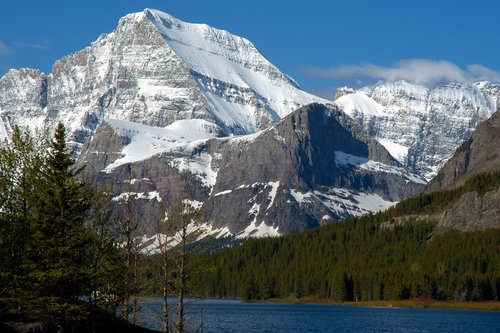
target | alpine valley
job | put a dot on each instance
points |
(158, 98)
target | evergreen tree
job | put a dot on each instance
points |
(20, 159)
(61, 207)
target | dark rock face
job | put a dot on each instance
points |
(479, 154)
(285, 179)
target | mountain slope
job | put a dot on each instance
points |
(480, 155)
(422, 128)
(158, 97)
(313, 167)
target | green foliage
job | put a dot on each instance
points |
(60, 205)
(19, 161)
(360, 260)
(374, 257)
(55, 249)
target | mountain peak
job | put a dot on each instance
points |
(155, 69)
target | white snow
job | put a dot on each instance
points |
(259, 230)
(136, 180)
(222, 56)
(398, 151)
(154, 87)
(364, 163)
(193, 203)
(199, 165)
(432, 123)
(346, 202)
(147, 141)
(4, 134)
(138, 195)
(359, 102)
(272, 193)
(299, 196)
(222, 193)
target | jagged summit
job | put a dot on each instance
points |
(155, 69)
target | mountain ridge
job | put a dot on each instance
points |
(421, 127)
(291, 176)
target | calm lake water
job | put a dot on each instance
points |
(217, 316)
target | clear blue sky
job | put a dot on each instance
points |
(322, 44)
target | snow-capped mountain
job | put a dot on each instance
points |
(154, 69)
(422, 128)
(158, 97)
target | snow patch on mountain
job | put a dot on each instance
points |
(364, 163)
(344, 202)
(258, 230)
(272, 193)
(222, 193)
(147, 141)
(359, 101)
(300, 197)
(200, 166)
(347, 202)
(137, 195)
(220, 55)
(398, 151)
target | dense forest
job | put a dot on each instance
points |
(374, 257)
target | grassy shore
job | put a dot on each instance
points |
(419, 303)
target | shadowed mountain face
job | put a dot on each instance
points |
(475, 210)
(313, 167)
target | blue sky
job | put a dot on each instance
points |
(322, 44)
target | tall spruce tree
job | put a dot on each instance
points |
(20, 159)
(61, 207)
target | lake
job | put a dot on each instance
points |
(217, 316)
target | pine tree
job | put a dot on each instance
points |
(20, 159)
(61, 206)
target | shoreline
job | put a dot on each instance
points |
(419, 303)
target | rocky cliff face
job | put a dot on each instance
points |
(422, 128)
(478, 155)
(313, 167)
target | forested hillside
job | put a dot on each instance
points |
(374, 257)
